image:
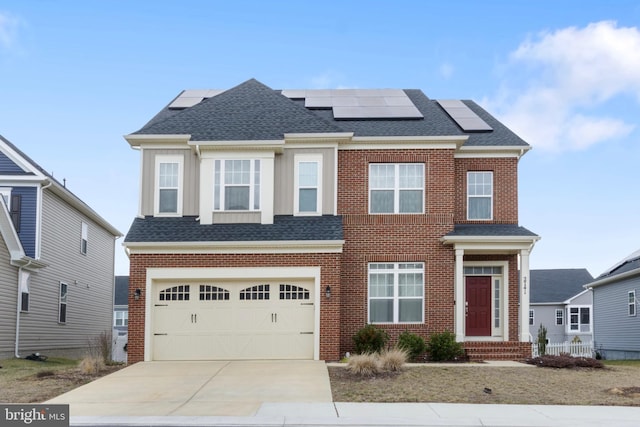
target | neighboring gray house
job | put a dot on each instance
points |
(56, 263)
(560, 302)
(121, 305)
(615, 303)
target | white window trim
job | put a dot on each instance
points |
(490, 197)
(568, 321)
(122, 315)
(156, 201)
(60, 302)
(561, 317)
(396, 189)
(5, 192)
(629, 304)
(307, 158)
(396, 296)
(252, 185)
(84, 237)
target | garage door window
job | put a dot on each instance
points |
(175, 293)
(293, 292)
(213, 293)
(257, 292)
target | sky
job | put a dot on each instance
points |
(75, 76)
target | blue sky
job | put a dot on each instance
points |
(77, 75)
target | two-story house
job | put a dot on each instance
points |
(56, 263)
(275, 224)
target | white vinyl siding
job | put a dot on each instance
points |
(396, 292)
(396, 188)
(479, 195)
(168, 194)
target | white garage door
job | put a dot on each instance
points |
(220, 321)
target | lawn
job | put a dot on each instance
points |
(617, 384)
(26, 381)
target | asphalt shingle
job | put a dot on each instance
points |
(557, 285)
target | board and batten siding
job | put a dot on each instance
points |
(190, 180)
(616, 334)
(285, 180)
(8, 302)
(89, 277)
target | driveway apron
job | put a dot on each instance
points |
(209, 388)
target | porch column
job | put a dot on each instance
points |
(524, 295)
(459, 295)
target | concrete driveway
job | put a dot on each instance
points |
(219, 388)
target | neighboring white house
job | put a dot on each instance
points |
(560, 302)
(56, 263)
(615, 304)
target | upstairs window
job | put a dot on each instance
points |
(84, 238)
(396, 188)
(632, 303)
(236, 185)
(14, 205)
(168, 185)
(308, 190)
(479, 195)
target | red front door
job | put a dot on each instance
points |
(478, 291)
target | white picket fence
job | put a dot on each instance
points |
(580, 349)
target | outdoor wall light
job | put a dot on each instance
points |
(136, 294)
(327, 291)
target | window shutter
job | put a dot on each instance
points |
(16, 204)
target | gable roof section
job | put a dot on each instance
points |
(33, 171)
(557, 285)
(248, 112)
(628, 267)
(188, 229)
(253, 111)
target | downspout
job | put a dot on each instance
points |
(18, 307)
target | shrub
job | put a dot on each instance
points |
(91, 365)
(542, 340)
(370, 340)
(413, 344)
(363, 364)
(393, 359)
(565, 361)
(443, 346)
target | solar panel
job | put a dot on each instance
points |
(190, 97)
(359, 103)
(464, 116)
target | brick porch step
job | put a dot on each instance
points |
(478, 351)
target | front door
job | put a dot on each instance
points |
(478, 306)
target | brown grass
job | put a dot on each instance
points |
(505, 385)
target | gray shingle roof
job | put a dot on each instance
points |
(121, 293)
(253, 111)
(488, 230)
(557, 285)
(188, 229)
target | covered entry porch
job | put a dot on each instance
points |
(491, 287)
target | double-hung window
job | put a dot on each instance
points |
(559, 316)
(396, 292)
(236, 185)
(308, 190)
(579, 319)
(84, 238)
(168, 185)
(24, 278)
(479, 195)
(532, 317)
(631, 303)
(62, 312)
(396, 188)
(121, 318)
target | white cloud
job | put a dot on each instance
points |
(557, 86)
(8, 30)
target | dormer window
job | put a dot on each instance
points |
(236, 185)
(307, 182)
(168, 200)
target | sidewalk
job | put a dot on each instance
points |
(394, 414)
